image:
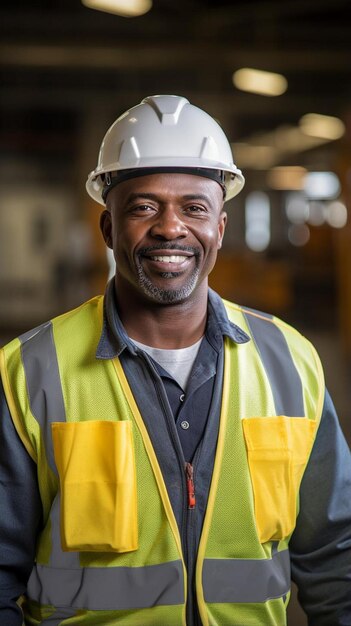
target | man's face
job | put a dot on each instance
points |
(165, 231)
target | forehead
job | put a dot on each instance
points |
(168, 186)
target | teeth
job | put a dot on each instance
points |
(169, 259)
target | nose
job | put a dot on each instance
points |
(168, 224)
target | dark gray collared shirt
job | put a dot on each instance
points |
(190, 408)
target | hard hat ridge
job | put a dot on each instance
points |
(168, 108)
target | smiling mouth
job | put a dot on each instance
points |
(168, 265)
(173, 258)
(168, 261)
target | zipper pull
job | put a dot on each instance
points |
(189, 472)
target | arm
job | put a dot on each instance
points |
(20, 513)
(321, 543)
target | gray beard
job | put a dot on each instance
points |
(167, 296)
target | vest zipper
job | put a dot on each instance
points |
(189, 472)
(189, 540)
(187, 475)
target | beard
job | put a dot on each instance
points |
(168, 296)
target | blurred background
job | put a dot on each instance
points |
(277, 77)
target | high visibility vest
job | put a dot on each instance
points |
(110, 550)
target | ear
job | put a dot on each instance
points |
(222, 222)
(106, 227)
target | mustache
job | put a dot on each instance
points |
(168, 246)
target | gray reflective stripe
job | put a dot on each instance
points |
(47, 405)
(246, 580)
(43, 382)
(33, 331)
(108, 588)
(57, 618)
(59, 558)
(282, 374)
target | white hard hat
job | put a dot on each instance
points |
(164, 132)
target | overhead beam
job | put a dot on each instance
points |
(174, 55)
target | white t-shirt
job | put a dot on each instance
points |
(178, 362)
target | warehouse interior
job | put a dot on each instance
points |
(68, 71)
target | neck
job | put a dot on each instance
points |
(167, 326)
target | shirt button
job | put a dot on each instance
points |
(185, 425)
(181, 397)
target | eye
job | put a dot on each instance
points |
(195, 210)
(142, 209)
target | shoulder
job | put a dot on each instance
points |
(262, 322)
(275, 336)
(37, 337)
(288, 357)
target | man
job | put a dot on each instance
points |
(165, 455)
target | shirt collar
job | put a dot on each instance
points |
(114, 339)
(218, 324)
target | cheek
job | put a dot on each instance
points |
(126, 240)
(210, 243)
(211, 239)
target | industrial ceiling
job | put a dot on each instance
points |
(60, 59)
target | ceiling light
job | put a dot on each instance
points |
(287, 177)
(126, 8)
(298, 234)
(316, 213)
(260, 82)
(324, 126)
(336, 214)
(256, 157)
(292, 139)
(297, 209)
(321, 185)
(257, 221)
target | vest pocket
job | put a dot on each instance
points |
(278, 449)
(96, 466)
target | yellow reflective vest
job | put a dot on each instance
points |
(110, 550)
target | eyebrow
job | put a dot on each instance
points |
(147, 196)
(153, 196)
(196, 196)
